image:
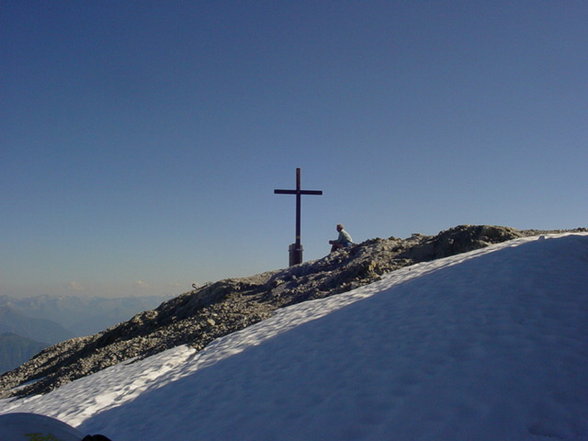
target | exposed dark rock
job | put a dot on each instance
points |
(198, 317)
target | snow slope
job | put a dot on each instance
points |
(487, 345)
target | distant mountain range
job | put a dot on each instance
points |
(30, 324)
(15, 350)
(81, 315)
(39, 329)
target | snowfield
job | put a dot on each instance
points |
(488, 345)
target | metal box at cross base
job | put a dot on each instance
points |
(295, 253)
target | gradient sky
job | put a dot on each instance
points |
(141, 141)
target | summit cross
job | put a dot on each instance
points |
(296, 248)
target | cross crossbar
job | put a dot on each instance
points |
(297, 258)
(298, 192)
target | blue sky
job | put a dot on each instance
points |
(141, 141)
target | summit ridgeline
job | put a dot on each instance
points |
(202, 315)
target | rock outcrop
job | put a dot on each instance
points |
(217, 309)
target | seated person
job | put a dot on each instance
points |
(344, 240)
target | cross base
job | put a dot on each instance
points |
(295, 252)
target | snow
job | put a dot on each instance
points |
(487, 345)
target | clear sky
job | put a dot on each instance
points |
(141, 141)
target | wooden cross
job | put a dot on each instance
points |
(296, 248)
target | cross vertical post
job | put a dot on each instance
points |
(298, 207)
(296, 248)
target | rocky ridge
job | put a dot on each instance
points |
(198, 317)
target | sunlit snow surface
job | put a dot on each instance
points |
(487, 345)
